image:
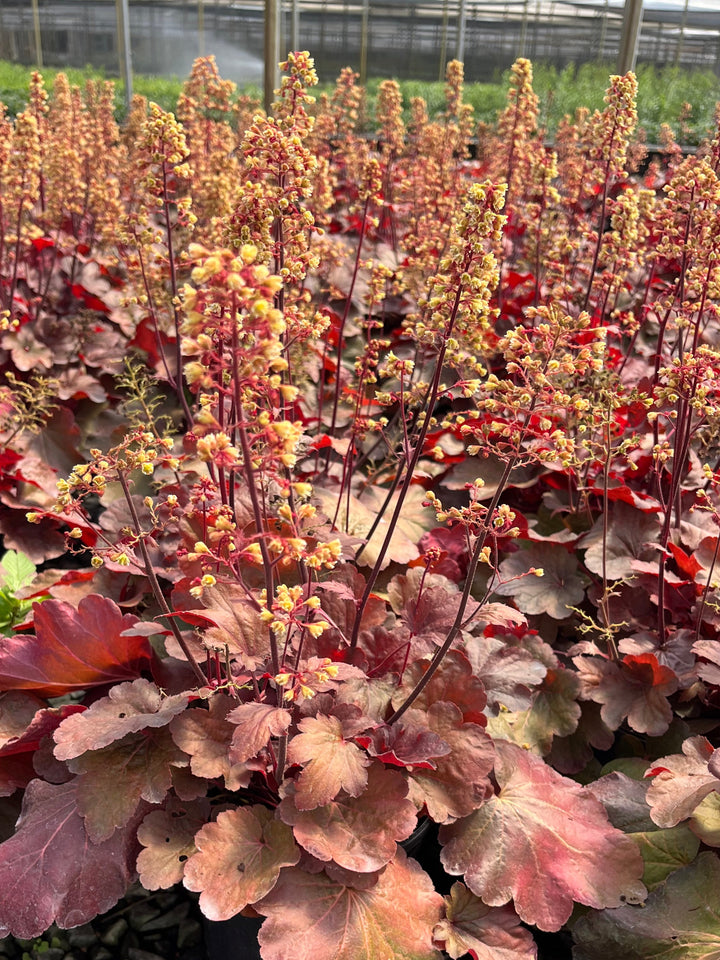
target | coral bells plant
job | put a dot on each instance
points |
(356, 493)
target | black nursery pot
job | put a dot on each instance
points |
(233, 939)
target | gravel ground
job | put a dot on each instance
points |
(161, 926)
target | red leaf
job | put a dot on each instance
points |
(459, 783)
(331, 762)
(486, 933)
(393, 918)
(89, 299)
(128, 708)
(405, 744)
(17, 753)
(50, 871)
(637, 688)
(239, 859)
(73, 649)
(687, 564)
(639, 500)
(681, 782)
(356, 833)
(543, 841)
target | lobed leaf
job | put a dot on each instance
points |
(331, 762)
(128, 708)
(459, 781)
(206, 735)
(51, 871)
(238, 860)
(679, 921)
(111, 782)
(681, 782)
(636, 688)
(394, 918)
(255, 725)
(543, 841)
(168, 839)
(357, 833)
(560, 587)
(486, 933)
(73, 649)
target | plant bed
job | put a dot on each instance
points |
(352, 486)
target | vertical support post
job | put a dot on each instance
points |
(201, 29)
(295, 25)
(681, 38)
(460, 50)
(632, 20)
(443, 42)
(272, 52)
(603, 32)
(523, 28)
(38, 37)
(122, 12)
(364, 32)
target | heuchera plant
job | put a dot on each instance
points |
(371, 486)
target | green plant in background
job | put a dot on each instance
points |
(663, 94)
(16, 572)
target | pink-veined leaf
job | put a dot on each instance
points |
(544, 842)
(486, 933)
(51, 872)
(73, 649)
(128, 708)
(681, 782)
(331, 762)
(238, 860)
(357, 833)
(168, 840)
(679, 921)
(394, 918)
